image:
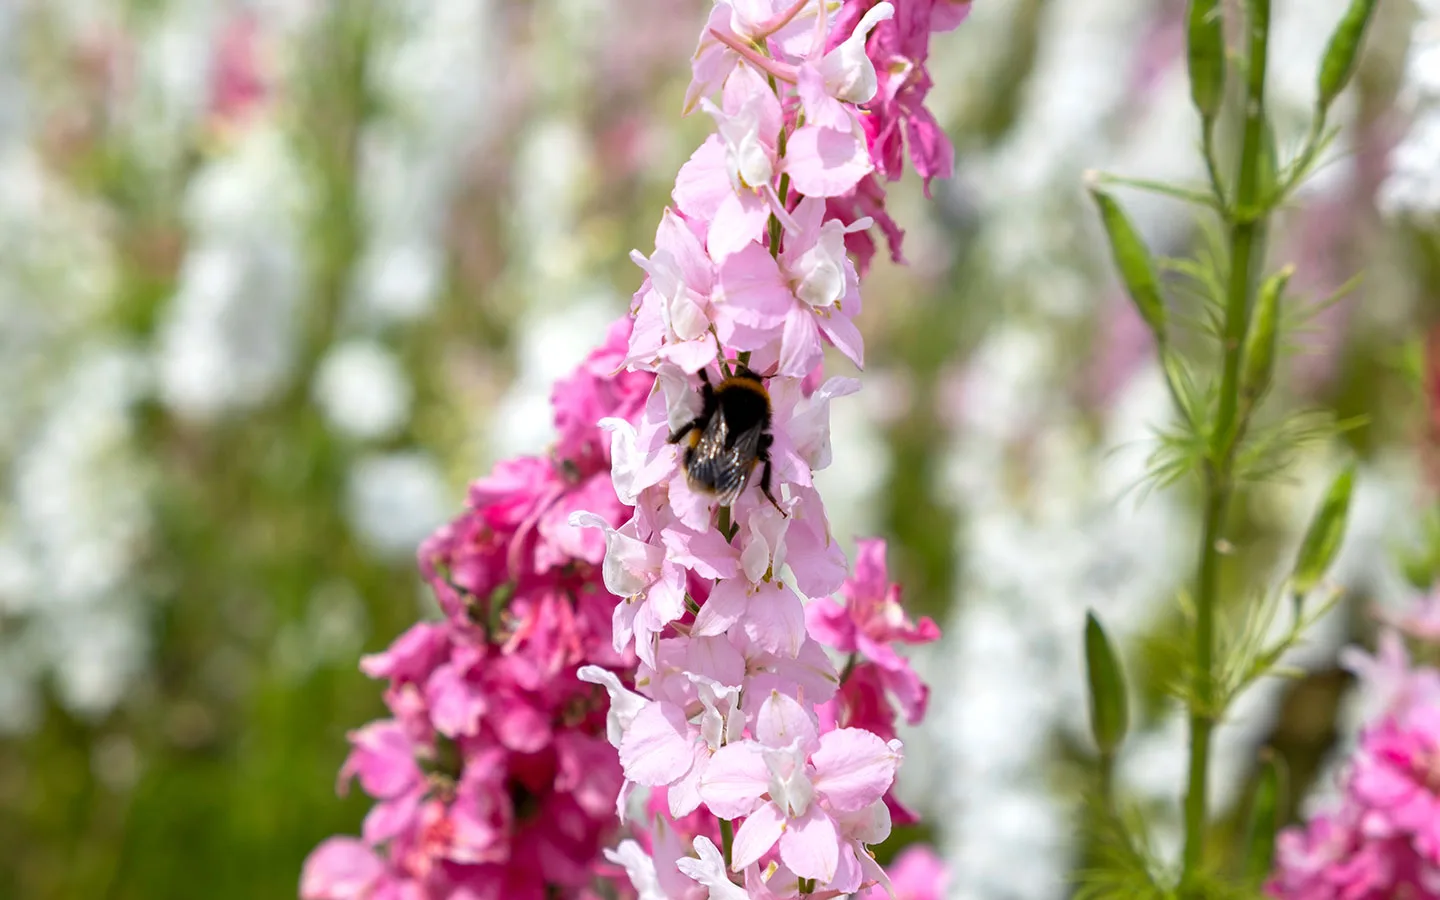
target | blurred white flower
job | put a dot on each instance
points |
(362, 390)
(228, 339)
(1413, 184)
(395, 500)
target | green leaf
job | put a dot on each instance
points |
(1109, 705)
(1265, 806)
(1133, 260)
(1258, 359)
(1205, 49)
(1322, 539)
(1343, 51)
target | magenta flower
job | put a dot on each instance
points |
(870, 621)
(1383, 841)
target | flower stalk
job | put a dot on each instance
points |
(1245, 222)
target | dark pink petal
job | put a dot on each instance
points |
(383, 758)
(412, 655)
(830, 624)
(393, 817)
(456, 704)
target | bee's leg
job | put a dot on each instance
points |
(685, 429)
(762, 454)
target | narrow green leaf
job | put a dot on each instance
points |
(1322, 539)
(1133, 260)
(1205, 49)
(1265, 806)
(1258, 359)
(1182, 388)
(1343, 51)
(1109, 705)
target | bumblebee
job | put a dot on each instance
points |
(730, 437)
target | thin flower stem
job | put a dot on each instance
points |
(727, 839)
(1245, 221)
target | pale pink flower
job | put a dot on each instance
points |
(1388, 677)
(1421, 620)
(674, 308)
(793, 305)
(814, 795)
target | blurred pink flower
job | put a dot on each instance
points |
(916, 874)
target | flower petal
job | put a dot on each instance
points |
(854, 768)
(756, 835)
(810, 845)
(656, 749)
(734, 780)
(782, 720)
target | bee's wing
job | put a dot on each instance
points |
(736, 464)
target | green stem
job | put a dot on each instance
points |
(1107, 781)
(1246, 221)
(727, 839)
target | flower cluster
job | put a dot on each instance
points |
(737, 712)
(1383, 840)
(493, 779)
(896, 115)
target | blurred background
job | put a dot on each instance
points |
(278, 277)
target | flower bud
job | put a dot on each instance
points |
(1259, 355)
(1132, 258)
(1343, 51)
(1322, 538)
(1109, 705)
(1205, 48)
